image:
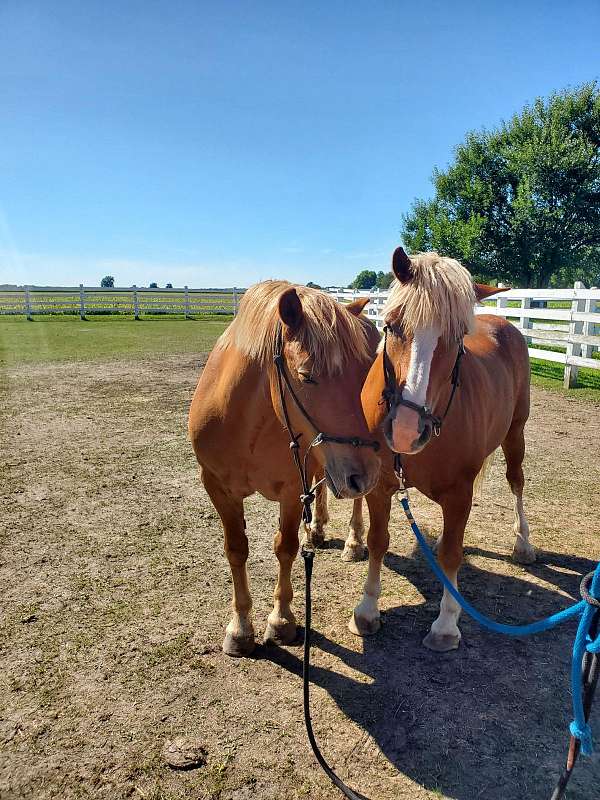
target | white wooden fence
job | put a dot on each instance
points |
(82, 300)
(575, 328)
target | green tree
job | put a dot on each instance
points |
(364, 280)
(107, 281)
(153, 285)
(521, 203)
(312, 285)
(168, 285)
(384, 280)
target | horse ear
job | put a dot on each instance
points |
(401, 265)
(356, 307)
(290, 309)
(482, 291)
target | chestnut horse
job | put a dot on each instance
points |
(429, 318)
(237, 420)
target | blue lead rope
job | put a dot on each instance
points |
(579, 727)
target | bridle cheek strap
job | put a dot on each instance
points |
(392, 394)
(307, 497)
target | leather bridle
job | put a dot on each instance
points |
(392, 393)
(283, 382)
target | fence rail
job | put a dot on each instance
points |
(135, 301)
(568, 319)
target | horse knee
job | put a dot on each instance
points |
(237, 553)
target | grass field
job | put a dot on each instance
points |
(69, 339)
(48, 339)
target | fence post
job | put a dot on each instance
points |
(501, 301)
(587, 350)
(526, 321)
(186, 302)
(136, 307)
(235, 302)
(571, 372)
(28, 309)
(81, 301)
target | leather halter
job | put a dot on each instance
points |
(283, 382)
(392, 394)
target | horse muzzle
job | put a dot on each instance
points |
(348, 479)
(407, 430)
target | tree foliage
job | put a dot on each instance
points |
(521, 203)
(153, 285)
(384, 280)
(366, 279)
(107, 282)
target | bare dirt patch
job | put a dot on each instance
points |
(115, 595)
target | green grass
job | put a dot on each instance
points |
(49, 339)
(549, 375)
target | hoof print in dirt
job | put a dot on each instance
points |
(184, 752)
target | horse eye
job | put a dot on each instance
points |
(399, 332)
(306, 377)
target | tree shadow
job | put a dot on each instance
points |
(489, 720)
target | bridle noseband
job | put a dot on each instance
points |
(392, 394)
(283, 381)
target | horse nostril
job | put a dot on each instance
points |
(356, 483)
(425, 435)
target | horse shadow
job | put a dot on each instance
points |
(488, 720)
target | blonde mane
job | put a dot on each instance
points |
(439, 293)
(330, 334)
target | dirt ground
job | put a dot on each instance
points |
(115, 593)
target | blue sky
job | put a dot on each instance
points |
(217, 144)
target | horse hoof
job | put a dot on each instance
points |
(282, 634)
(238, 646)
(316, 538)
(441, 642)
(360, 626)
(524, 555)
(354, 552)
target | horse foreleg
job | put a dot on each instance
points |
(365, 619)
(316, 536)
(456, 507)
(239, 634)
(514, 452)
(281, 624)
(354, 549)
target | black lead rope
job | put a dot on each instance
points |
(308, 555)
(307, 498)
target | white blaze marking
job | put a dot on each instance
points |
(421, 352)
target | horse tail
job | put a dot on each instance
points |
(483, 474)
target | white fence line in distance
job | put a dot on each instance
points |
(135, 301)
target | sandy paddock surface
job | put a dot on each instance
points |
(115, 593)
